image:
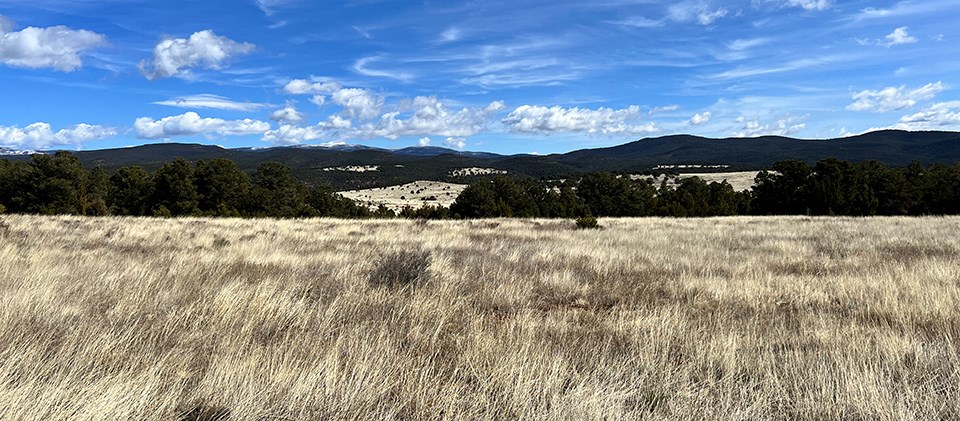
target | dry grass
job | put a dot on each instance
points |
(739, 318)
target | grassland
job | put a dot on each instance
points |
(739, 318)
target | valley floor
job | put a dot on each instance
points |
(729, 318)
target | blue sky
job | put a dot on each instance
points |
(519, 76)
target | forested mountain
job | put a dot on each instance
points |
(319, 164)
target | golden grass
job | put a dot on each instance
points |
(731, 318)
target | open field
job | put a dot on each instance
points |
(414, 195)
(739, 180)
(730, 318)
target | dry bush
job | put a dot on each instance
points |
(401, 269)
(724, 318)
(587, 222)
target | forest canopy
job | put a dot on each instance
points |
(59, 184)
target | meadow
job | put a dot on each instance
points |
(725, 318)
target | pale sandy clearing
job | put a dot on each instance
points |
(413, 195)
(466, 172)
(740, 180)
(354, 168)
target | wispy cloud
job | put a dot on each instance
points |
(214, 102)
(361, 67)
(799, 64)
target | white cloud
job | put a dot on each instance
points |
(810, 4)
(426, 115)
(494, 107)
(358, 103)
(41, 135)
(303, 87)
(899, 36)
(938, 116)
(56, 47)
(288, 114)
(700, 118)
(290, 135)
(607, 121)
(424, 142)
(214, 102)
(893, 98)
(176, 56)
(665, 108)
(191, 123)
(784, 126)
(420, 116)
(456, 142)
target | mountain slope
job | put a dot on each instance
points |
(325, 164)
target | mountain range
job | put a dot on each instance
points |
(332, 165)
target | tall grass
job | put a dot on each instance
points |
(733, 318)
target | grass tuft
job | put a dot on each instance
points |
(401, 269)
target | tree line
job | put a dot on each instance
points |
(59, 184)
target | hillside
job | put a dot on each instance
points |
(313, 164)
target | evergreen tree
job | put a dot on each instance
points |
(222, 187)
(605, 194)
(98, 188)
(59, 185)
(130, 191)
(782, 191)
(175, 191)
(478, 200)
(277, 193)
(16, 190)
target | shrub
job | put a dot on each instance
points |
(2, 209)
(220, 242)
(401, 269)
(587, 222)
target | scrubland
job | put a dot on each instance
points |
(729, 318)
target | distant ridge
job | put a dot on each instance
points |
(892, 147)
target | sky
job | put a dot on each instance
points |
(517, 76)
